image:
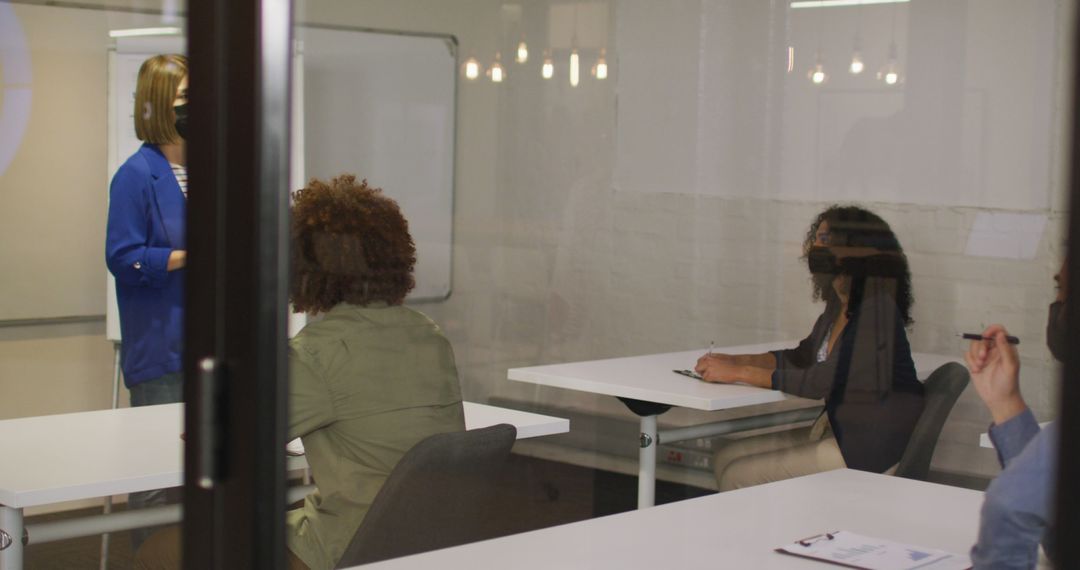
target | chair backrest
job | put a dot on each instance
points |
(442, 493)
(942, 388)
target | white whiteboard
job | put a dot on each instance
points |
(379, 105)
(382, 106)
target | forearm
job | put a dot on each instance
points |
(763, 360)
(1007, 409)
(756, 374)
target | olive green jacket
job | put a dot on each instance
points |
(366, 384)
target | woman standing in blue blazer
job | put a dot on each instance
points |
(145, 246)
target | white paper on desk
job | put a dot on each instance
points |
(857, 551)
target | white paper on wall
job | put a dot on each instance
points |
(1005, 235)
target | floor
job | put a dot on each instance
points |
(550, 493)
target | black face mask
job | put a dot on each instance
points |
(821, 261)
(181, 120)
(1057, 337)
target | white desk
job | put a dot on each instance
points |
(67, 457)
(738, 529)
(650, 378)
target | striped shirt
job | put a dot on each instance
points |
(180, 172)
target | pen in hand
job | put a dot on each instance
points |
(976, 336)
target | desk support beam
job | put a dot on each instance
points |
(11, 533)
(113, 522)
(739, 424)
(647, 463)
(650, 438)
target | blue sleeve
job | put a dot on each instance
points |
(1012, 436)
(1017, 509)
(127, 253)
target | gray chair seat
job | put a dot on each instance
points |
(942, 388)
(442, 493)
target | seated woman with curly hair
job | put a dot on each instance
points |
(366, 382)
(857, 358)
(373, 377)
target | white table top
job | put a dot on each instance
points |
(67, 457)
(650, 378)
(528, 424)
(738, 529)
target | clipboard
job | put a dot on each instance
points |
(844, 548)
(689, 373)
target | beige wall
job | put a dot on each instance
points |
(54, 369)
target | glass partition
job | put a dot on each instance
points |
(687, 249)
(823, 195)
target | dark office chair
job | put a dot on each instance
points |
(442, 493)
(942, 388)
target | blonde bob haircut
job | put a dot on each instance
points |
(155, 91)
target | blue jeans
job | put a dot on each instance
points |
(167, 389)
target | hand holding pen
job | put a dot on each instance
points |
(995, 372)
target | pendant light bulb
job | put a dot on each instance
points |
(472, 68)
(575, 68)
(890, 74)
(548, 69)
(496, 72)
(522, 52)
(600, 69)
(857, 65)
(817, 74)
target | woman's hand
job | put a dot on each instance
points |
(718, 368)
(753, 369)
(177, 259)
(995, 372)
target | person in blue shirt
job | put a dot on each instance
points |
(1018, 509)
(145, 243)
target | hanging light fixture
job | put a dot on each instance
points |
(817, 73)
(472, 68)
(522, 52)
(547, 71)
(599, 70)
(857, 66)
(890, 73)
(575, 68)
(575, 59)
(497, 73)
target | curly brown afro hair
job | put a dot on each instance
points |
(350, 244)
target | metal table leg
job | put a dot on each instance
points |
(647, 463)
(11, 533)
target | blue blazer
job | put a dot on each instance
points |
(147, 218)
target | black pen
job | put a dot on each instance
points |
(976, 336)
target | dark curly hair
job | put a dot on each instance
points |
(350, 244)
(854, 226)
